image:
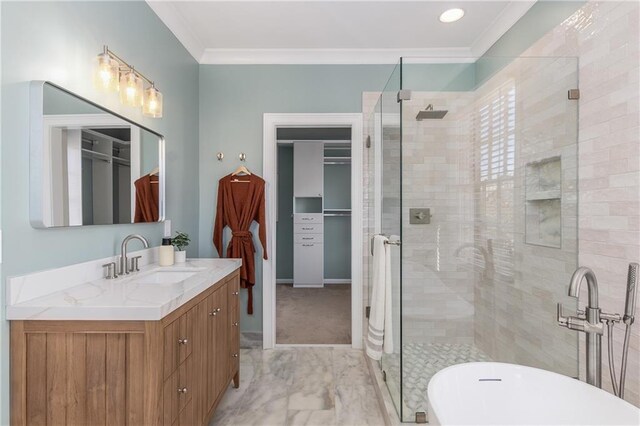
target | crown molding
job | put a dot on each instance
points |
(171, 16)
(503, 22)
(331, 56)
(169, 13)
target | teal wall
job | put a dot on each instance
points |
(284, 232)
(233, 99)
(58, 41)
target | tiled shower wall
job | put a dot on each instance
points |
(525, 158)
(437, 293)
(604, 38)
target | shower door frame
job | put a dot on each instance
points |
(271, 122)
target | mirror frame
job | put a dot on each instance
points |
(38, 197)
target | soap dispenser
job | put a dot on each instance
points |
(166, 252)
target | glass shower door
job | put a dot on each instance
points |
(490, 147)
(390, 223)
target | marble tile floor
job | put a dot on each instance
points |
(320, 386)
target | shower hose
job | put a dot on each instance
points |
(618, 390)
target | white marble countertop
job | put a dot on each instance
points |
(130, 297)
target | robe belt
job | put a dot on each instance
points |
(242, 234)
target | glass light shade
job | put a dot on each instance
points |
(105, 74)
(131, 89)
(152, 106)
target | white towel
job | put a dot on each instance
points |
(379, 335)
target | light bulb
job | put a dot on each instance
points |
(131, 89)
(105, 77)
(152, 106)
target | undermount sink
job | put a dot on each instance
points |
(170, 276)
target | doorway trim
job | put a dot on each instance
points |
(271, 122)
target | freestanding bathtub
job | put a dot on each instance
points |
(492, 393)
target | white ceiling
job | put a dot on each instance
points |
(218, 32)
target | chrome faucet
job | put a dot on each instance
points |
(587, 321)
(124, 267)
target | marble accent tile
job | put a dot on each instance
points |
(311, 418)
(313, 392)
(350, 368)
(275, 363)
(228, 407)
(264, 403)
(296, 386)
(356, 405)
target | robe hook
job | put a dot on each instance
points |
(220, 156)
(242, 156)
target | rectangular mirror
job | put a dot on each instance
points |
(90, 166)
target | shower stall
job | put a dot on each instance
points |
(472, 166)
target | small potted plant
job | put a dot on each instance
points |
(180, 242)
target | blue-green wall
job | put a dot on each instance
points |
(284, 233)
(233, 99)
(58, 41)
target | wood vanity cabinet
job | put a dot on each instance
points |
(168, 372)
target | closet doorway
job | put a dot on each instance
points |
(312, 291)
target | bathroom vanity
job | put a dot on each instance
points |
(158, 347)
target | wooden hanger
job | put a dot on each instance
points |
(239, 170)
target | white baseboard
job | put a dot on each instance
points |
(327, 281)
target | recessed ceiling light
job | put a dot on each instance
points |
(451, 15)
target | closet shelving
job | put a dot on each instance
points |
(322, 211)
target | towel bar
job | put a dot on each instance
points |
(394, 243)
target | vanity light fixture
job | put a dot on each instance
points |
(451, 15)
(113, 74)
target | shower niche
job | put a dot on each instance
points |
(543, 199)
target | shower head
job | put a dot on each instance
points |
(430, 114)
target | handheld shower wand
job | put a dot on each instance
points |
(628, 318)
(632, 291)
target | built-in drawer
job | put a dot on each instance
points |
(307, 218)
(178, 392)
(308, 265)
(308, 228)
(308, 238)
(178, 342)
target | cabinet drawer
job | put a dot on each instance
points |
(308, 265)
(307, 218)
(178, 392)
(308, 238)
(308, 228)
(178, 342)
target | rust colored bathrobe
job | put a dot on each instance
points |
(146, 199)
(239, 204)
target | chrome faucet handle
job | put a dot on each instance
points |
(610, 317)
(111, 270)
(578, 323)
(134, 264)
(563, 321)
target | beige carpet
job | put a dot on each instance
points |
(313, 315)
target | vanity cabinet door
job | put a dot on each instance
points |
(216, 356)
(178, 342)
(179, 389)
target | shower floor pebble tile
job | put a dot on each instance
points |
(301, 386)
